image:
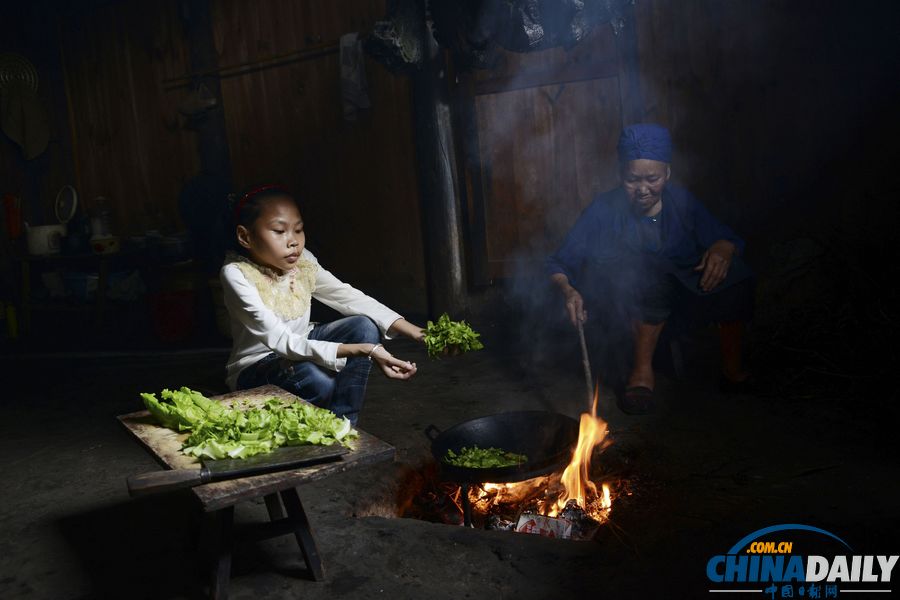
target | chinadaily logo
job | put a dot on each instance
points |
(798, 561)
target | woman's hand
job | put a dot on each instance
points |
(404, 327)
(715, 263)
(575, 307)
(574, 301)
(392, 368)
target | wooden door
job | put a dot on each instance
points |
(539, 138)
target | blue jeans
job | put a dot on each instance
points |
(343, 392)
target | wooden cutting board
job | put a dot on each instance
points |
(164, 445)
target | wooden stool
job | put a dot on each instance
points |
(279, 489)
(223, 536)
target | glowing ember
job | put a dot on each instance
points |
(531, 493)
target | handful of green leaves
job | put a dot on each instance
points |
(484, 458)
(221, 432)
(450, 335)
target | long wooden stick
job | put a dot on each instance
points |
(255, 65)
(586, 363)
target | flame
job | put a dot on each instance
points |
(576, 478)
(606, 502)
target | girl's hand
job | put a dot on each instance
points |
(393, 368)
(404, 327)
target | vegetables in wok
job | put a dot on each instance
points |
(218, 431)
(484, 458)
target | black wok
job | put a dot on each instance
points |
(546, 438)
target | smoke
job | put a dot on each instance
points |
(543, 329)
(547, 151)
(782, 118)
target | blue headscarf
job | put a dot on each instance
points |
(645, 140)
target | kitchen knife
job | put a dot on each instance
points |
(282, 459)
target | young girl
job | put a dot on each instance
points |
(268, 285)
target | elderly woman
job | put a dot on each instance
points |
(647, 250)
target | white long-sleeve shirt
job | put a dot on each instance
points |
(258, 331)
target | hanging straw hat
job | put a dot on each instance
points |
(22, 114)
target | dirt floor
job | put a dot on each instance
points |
(703, 472)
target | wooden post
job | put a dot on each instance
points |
(438, 185)
(212, 136)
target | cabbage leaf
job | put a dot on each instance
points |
(217, 431)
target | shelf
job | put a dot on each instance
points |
(63, 307)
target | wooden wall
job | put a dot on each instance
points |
(764, 99)
(546, 126)
(708, 73)
(356, 179)
(25, 30)
(130, 143)
(284, 123)
(777, 110)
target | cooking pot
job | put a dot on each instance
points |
(45, 239)
(546, 438)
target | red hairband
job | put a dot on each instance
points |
(257, 190)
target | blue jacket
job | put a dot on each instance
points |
(608, 229)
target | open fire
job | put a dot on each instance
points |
(571, 495)
(562, 504)
(576, 478)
